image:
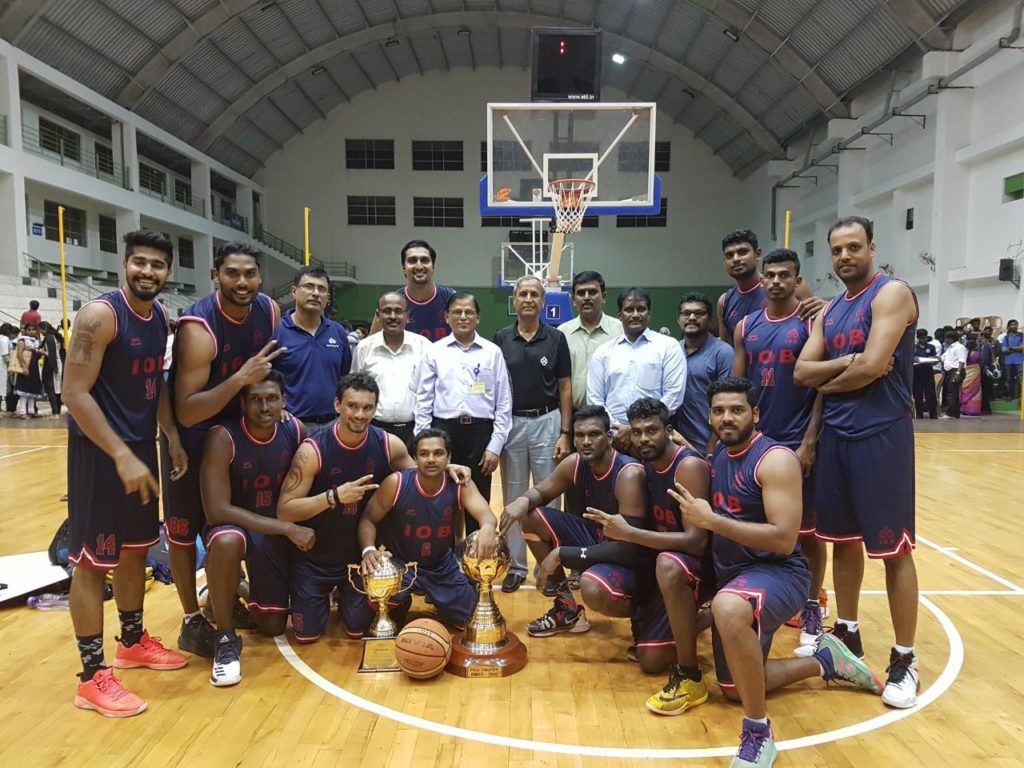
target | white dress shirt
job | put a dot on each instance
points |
(397, 373)
(466, 381)
(954, 356)
(620, 372)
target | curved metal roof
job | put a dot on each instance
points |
(239, 78)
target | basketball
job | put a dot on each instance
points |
(422, 648)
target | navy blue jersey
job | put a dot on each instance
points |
(866, 411)
(337, 538)
(258, 468)
(127, 388)
(665, 514)
(599, 492)
(737, 304)
(772, 346)
(736, 493)
(427, 317)
(234, 341)
(419, 526)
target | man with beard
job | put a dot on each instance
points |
(708, 359)
(113, 387)
(613, 483)
(223, 342)
(754, 516)
(860, 356)
(768, 343)
(413, 513)
(245, 460)
(639, 363)
(317, 353)
(681, 558)
(326, 489)
(393, 356)
(427, 301)
(741, 255)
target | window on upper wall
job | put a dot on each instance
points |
(361, 154)
(74, 224)
(364, 210)
(909, 224)
(437, 211)
(183, 192)
(508, 156)
(808, 249)
(1013, 188)
(57, 138)
(633, 156)
(152, 179)
(437, 155)
(660, 219)
(186, 253)
(104, 160)
(108, 234)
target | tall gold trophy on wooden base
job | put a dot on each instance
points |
(485, 649)
(380, 586)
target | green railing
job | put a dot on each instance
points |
(52, 147)
(192, 205)
(282, 246)
(3, 130)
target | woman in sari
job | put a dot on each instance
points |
(970, 390)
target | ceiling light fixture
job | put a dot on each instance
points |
(618, 58)
(317, 70)
(391, 42)
(732, 34)
(463, 31)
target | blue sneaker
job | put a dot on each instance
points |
(757, 746)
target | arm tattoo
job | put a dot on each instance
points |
(294, 478)
(83, 340)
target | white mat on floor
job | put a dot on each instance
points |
(26, 573)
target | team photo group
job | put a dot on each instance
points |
(679, 485)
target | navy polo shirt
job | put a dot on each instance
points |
(312, 366)
(710, 362)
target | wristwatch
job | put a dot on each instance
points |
(565, 432)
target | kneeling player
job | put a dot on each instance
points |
(415, 510)
(762, 576)
(609, 481)
(245, 461)
(681, 564)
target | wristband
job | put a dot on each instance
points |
(330, 501)
(368, 549)
(565, 432)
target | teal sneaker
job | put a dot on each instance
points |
(757, 746)
(840, 663)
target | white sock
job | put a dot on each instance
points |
(193, 615)
(759, 720)
(851, 624)
(904, 649)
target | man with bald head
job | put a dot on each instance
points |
(393, 357)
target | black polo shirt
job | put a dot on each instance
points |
(535, 366)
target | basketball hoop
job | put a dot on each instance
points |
(571, 197)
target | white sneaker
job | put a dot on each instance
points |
(810, 630)
(227, 665)
(904, 681)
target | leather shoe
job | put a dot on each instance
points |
(512, 582)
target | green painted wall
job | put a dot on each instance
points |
(357, 303)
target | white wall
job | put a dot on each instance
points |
(951, 172)
(704, 197)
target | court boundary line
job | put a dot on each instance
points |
(22, 453)
(973, 566)
(942, 683)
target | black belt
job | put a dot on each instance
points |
(534, 412)
(464, 420)
(394, 424)
(320, 419)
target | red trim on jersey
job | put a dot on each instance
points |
(576, 470)
(671, 463)
(129, 305)
(611, 466)
(741, 454)
(751, 289)
(771, 319)
(231, 440)
(398, 490)
(226, 316)
(117, 324)
(253, 439)
(405, 292)
(345, 446)
(316, 450)
(424, 494)
(848, 297)
(387, 442)
(758, 465)
(206, 325)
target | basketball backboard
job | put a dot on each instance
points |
(530, 145)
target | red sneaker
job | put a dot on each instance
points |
(148, 652)
(822, 602)
(108, 696)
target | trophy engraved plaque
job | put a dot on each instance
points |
(485, 648)
(380, 586)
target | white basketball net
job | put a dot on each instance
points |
(571, 197)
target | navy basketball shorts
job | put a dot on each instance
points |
(103, 519)
(865, 490)
(809, 520)
(267, 563)
(569, 530)
(444, 583)
(184, 518)
(651, 627)
(311, 587)
(776, 592)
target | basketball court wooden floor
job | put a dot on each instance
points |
(578, 702)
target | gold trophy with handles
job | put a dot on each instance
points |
(380, 586)
(485, 648)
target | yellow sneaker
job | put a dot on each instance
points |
(678, 695)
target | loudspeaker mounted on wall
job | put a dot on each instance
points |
(1006, 270)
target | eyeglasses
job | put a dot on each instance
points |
(693, 313)
(314, 288)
